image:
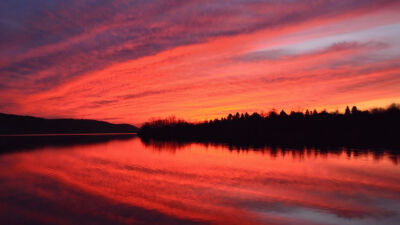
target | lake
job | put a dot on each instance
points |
(123, 180)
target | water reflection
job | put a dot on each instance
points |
(297, 151)
(135, 182)
(12, 143)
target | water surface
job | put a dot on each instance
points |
(126, 181)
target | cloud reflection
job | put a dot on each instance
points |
(123, 182)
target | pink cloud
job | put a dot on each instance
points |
(188, 59)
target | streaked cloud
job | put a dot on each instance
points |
(196, 59)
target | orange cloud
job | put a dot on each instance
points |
(281, 63)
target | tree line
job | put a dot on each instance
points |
(378, 127)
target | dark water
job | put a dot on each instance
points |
(124, 181)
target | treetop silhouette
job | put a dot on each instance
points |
(374, 127)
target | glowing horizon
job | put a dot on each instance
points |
(129, 62)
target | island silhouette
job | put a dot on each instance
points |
(16, 124)
(375, 127)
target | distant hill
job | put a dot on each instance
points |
(15, 124)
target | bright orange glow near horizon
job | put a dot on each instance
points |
(129, 62)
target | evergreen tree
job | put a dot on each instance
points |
(347, 112)
(354, 110)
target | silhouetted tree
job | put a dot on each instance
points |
(354, 110)
(237, 116)
(347, 111)
(273, 115)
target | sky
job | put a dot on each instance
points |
(131, 61)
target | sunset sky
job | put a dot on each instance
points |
(130, 61)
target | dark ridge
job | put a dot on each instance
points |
(374, 128)
(15, 124)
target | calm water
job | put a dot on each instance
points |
(129, 182)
